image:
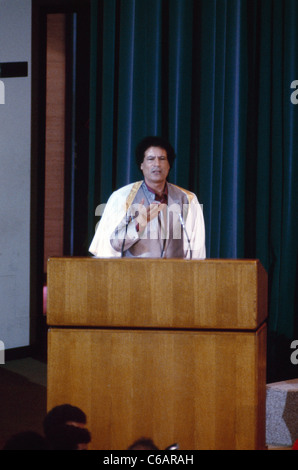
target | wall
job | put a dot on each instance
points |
(55, 137)
(15, 155)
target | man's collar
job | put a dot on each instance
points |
(153, 196)
(164, 192)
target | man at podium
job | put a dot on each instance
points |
(151, 218)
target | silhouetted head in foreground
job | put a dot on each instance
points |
(65, 428)
(27, 440)
(143, 444)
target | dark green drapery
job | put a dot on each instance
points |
(213, 76)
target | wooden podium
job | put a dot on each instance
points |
(174, 350)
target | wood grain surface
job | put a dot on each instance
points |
(203, 390)
(229, 294)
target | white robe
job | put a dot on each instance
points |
(116, 209)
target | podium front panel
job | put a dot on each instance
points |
(204, 390)
(173, 350)
(156, 293)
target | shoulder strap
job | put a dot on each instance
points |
(132, 194)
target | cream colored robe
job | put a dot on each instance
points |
(119, 206)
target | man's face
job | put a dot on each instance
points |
(155, 166)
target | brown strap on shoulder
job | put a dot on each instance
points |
(132, 194)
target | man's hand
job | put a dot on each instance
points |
(148, 214)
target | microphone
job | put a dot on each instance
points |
(128, 219)
(173, 446)
(185, 231)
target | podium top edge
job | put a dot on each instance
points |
(156, 260)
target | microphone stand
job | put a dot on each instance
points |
(128, 219)
(187, 237)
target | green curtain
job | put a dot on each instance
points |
(214, 77)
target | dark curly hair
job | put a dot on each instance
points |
(61, 414)
(154, 141)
